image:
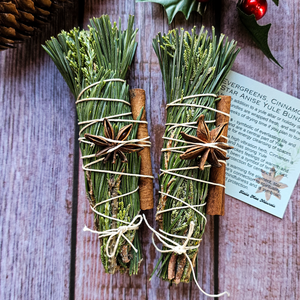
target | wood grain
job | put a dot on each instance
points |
(259, 253)
(36, 144)
(144, 73)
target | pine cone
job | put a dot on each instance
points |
(19, 19)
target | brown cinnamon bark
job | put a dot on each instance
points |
(216, 194)
(180, 269)
(138, 100)
(172, 267)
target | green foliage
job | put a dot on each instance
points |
(257, 32)
(190, 64)
(172, 7)
(84, 57)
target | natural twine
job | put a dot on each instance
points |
(180, 249)
(120, 231)
(172, 245)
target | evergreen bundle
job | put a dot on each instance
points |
(94, 63)
(193, 67)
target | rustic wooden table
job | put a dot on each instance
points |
(44, 254)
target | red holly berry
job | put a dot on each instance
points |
(256, 7)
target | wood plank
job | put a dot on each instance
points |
(145, 73)
(88, 262)
(36, 144)
(147, 76)
(259, 253)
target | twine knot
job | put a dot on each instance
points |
(123, 229)
(120, 232)
(180, 249)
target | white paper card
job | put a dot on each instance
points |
(264, 129)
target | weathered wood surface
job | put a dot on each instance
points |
(258, 255)
(36, 143)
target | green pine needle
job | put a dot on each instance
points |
(84, 57)
(190, 64)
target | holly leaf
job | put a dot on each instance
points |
(172, 7)
(258, 33)
(276, 2)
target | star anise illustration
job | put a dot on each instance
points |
(109, 133)
(270, 184)
(208, 152)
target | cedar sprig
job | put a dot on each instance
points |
(191, 64)
(83, 57)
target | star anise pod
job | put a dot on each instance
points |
(208, 152)
(109, 133)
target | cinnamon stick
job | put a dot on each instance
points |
(216, 194)
(138, 100)
(172, 267)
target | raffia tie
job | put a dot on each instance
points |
(121, 230)
(162, 235)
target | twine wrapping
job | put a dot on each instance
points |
(180, 249)
(120, 231)
(171, 245)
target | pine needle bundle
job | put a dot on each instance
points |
(94, 64)
(19, 19)
(191, 64)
